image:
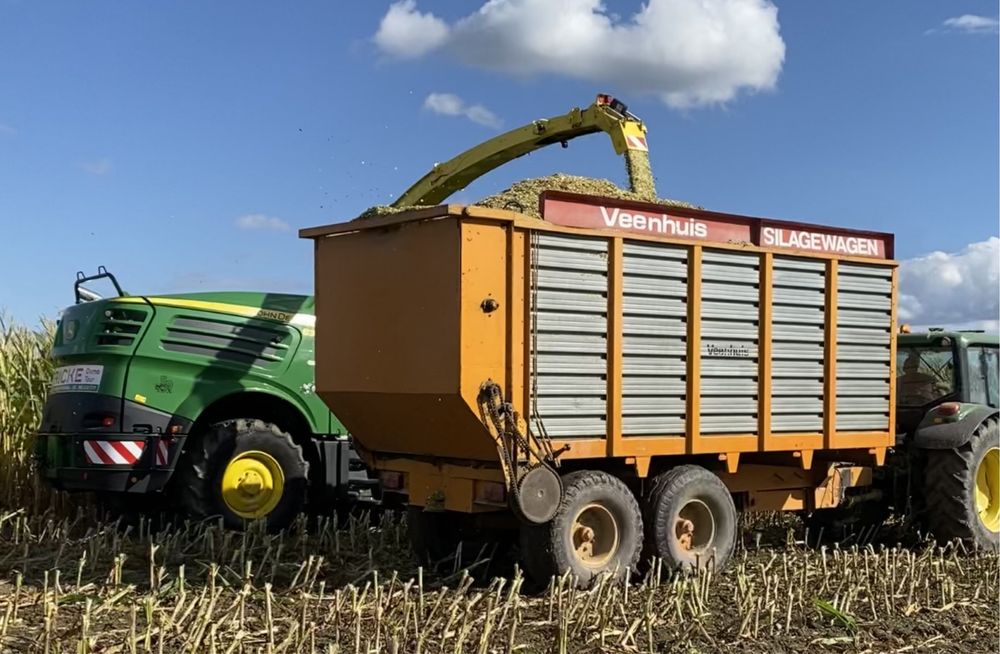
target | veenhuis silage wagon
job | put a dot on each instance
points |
(616, 375)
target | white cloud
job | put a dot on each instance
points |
(970, 24)
(261, 221)
(405, 32)
(7, 130)
(687, 52)
(97, 167)
(449, 104)
(958, 289)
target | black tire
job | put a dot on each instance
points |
(434, 535)
(198, 487)
(950, 491)
(549, 550)
(706, 500)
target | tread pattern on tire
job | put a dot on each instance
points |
(950, 479)
(194, 476)
(538, 552)
(675, 481)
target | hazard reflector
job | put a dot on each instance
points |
(113, 452)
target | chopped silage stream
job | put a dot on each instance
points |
(80, 586)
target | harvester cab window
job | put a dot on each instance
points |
(982, 363)
(924, 375)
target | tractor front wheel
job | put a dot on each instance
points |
(962, 488)
(243, 470)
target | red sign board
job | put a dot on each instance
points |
(660, 222)
(799, 237)
(591, 212)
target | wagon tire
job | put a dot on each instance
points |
(597, 530)
(268, 454)
(961, 491)
(691, 520)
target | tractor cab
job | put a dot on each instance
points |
(947, 427)
(941, 371)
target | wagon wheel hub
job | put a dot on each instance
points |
(595, 535)
(694, 527)
(685, 532)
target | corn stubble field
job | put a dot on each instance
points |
(70, 583)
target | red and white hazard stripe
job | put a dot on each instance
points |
(113, 452)
(637, 142)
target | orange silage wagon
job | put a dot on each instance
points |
(616, 374)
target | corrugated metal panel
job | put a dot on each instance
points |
(797, 344)
(864, 299)
(569, 335)
(658, 424)
(730, 312)
(654, 338)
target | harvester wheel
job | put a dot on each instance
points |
(597, 530)
(243, 469)
(690, 519)
(962, 488)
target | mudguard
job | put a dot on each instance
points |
(941, 433)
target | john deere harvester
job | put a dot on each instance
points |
(202, 402)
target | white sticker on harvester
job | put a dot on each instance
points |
(76, 378)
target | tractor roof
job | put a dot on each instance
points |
(965, 337)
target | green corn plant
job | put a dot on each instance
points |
(25, 371)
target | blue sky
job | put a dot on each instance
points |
(181, 144)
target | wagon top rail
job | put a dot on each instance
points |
(643, 220)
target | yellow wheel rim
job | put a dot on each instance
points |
(594, 535)
(988, 489)
(252, 484)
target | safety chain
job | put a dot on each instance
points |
(519, 453)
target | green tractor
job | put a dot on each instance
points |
(944, 472)
(947, 424)
(204, 400)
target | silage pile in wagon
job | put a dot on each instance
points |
(523, 196)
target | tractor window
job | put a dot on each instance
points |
(924, 374)
(982, 375)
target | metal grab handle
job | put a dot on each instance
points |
(83, 295)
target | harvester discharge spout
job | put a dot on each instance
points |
(606, 114)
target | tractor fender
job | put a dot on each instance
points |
(933, 433)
